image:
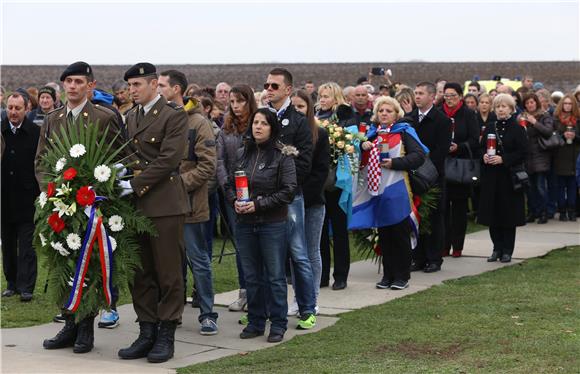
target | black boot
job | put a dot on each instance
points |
(494, 256)
(144, 343)
(572, 215)
(66, 336)
(543, 218)
(563, 216)
(85, 336)
(164, 345)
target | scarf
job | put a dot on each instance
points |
(567, 121)
(450, 112)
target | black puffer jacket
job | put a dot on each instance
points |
(272, 183)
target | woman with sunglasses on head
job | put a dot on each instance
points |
(313, 189)
(566, 117)
(263, 182)
(332, 105)
(464, 138)
(236, 122)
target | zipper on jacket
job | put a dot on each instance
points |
(254, 169)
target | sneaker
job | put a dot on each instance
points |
(240, 303)
(109, 320)
(243, 320)
(384, 284)
(208, 327)
(399, 285)
(307, 322)
(293, 309)
(59, 318)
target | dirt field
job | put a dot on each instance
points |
(555, 75)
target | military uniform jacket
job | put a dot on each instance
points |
(159, 143)
(56, 120)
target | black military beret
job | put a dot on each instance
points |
(77, 68)
(142, 69)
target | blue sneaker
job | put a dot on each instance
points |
(109, 320)
(208, 327)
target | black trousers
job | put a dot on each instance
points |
(429, 247)
(503, 238)
(395, 243)
(455, 224)
(336, 217)
(18, 256)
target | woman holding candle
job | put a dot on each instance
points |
(261, 207)
(504, 147)
(566, 119)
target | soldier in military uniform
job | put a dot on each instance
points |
(77, 80)
(157, 130)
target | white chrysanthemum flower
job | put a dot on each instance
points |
(102, 173)
(77, 150)
(116, 223)
(73, 241)
(60, 164)
(64, 190)
(113, 243)
(42, 239)
(60, 248)
(42, 199)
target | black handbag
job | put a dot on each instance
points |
(424, 177)
(464, 171)
(554, 141)
(520, 178)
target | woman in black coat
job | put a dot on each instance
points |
(501, 207)
(464, 137)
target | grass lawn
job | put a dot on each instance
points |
(520, 319)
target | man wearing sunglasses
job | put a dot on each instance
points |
(296, 132)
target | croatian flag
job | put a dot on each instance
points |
(391, 202)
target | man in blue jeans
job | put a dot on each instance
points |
(196, 169)
(295, 132)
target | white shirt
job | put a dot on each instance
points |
(76, 110)
(283, 108)
(147, 107)
(14, 128)
(425, 113)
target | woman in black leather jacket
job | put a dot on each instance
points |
(261, 228)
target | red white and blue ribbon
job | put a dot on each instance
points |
(95, 232)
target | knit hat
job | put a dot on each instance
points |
(47, 90)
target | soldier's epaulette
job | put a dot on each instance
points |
(103, 109)
(174, 105)
(54, 110)
(130, 109)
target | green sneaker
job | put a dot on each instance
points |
(307, 322)
(243, 320)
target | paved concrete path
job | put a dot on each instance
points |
(22, 350)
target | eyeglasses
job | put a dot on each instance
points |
(274, 86)
(447, 96)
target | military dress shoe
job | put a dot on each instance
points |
(144, 343)
(85, 336)
(8, 292)
(505, 258)
(494, 256)
(432, 268)
(66, 337)
(250, 333)
(275, 337)
(339, 285)
(416, 267)
(25, 297)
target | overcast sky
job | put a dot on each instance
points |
(48, 32)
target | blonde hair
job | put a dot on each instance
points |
(390, 101)
(503, 98)
(335, 92)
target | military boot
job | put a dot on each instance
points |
(164, 345)
(85, 336)
(66, 336)
(144, 343)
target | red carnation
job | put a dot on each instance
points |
(56, 223)
(85, 196)
(69, 174)
(50, 189)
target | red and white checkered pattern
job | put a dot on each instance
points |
(374, 172)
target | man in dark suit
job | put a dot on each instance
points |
(434, 130)
(157, 130)
(77, 80)
(19, 190)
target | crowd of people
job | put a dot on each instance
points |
(259, 162)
